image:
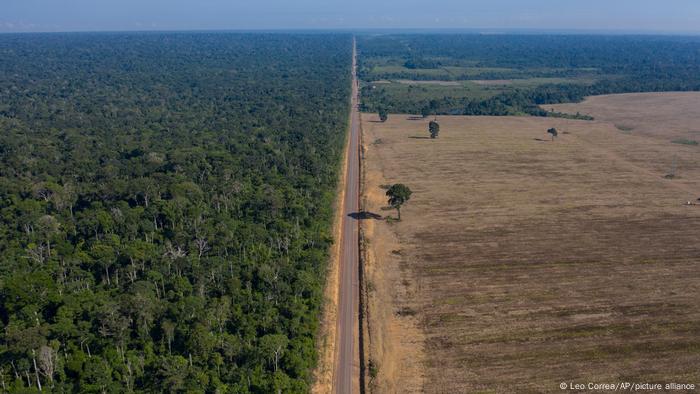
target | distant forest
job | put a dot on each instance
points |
(617, 64)
(165, 208)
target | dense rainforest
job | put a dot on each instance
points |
(165, 208)
(606, 64)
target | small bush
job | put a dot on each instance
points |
(684, 141)
(373, 369)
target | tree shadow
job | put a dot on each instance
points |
(415, 118)
(540, 140)
(364, 215)
(415, 137)
(376, 121)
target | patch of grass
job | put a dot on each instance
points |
(684, 141)
(623, 128)
(406, 311)
(373, 369)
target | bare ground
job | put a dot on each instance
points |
(522, 263)
(661, 115)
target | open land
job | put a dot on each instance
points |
(521, 262)
(657, 115)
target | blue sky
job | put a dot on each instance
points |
(98, 15)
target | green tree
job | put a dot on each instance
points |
(383, 114)
(553, 132)
(273, 347)
(398, 195)
(433, 129)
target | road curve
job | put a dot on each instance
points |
(346, 376)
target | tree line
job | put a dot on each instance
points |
(616, 64)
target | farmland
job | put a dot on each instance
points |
(523, 262)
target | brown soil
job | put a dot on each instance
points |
(522, 263)
(661, 115)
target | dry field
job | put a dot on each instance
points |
(522, 263)
(661, 115)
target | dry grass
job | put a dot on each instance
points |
(522, 263)
(660, 115)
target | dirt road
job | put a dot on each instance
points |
(346, 369)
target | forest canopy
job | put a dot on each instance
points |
(514, 74)
(165, 204)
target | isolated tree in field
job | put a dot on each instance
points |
(553, 132)
(434, 129)
(383, 114)
(398, 195)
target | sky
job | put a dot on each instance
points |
(110, 15)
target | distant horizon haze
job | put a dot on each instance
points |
(621, 16)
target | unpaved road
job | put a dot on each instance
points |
(347, 356)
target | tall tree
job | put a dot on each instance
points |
(398, 195)
(433, 129)
(383, 114)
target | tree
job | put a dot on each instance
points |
(553, 132)
(434, 129)
(398, 195)
(383, 114)
(273, 346)
(47, 362)
(425, 112)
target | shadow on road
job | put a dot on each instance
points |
(365, 215)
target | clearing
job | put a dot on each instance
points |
(522, 263)
(660, 115)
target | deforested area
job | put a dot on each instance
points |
(535, 251)
(165, 208)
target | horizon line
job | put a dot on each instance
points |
(386, 30)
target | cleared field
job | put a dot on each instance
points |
(660, 115)
(522, 263)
